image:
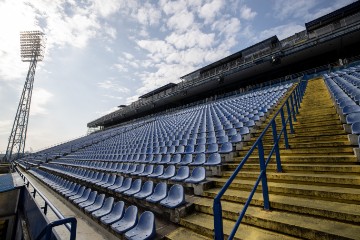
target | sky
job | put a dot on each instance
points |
(104, 53)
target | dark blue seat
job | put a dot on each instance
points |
(197, 175)
(145, 228)
(83, 197)
(139, 169)
(236, 138)
(160, 192)
(186, 159)
(135, 188)
(355, 128)
(352, 118)
(159, 170)
(105, 209)
(118, 183)
(148, 170)
(182, 174)
(199, 160)
(125, 186)
(175, 159)
(115, 215)
(71, 191)
(226, 147)
(175, 198)
(103, 180)
(213, 147)
(99, 201)
(128, 221)
(79, 193)
(146, 190)
(110, 182)
(89, 201)
(168, 173)
(351, 109)
(214, 159)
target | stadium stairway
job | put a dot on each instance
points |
(317, 196)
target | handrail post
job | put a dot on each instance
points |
(289, 117)
(218, 224)
(293, 108)
(276, 143)
(296, 101)
(264, 185)
(284, 128)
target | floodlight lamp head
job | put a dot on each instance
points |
(32, 45)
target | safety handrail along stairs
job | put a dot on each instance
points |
(70, 222)
(292, 103)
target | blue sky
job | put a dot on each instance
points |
(104, 53)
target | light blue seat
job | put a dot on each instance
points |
(236, 138)
(148, 170)
(110, 181)
(182, 174)
(352, 118)
(355, 128)
(79, 193)
(156, 159)
(197, 175)
(145, 228)
(231, 132)
(135, 188)
(131, 169)
(103, 180)
(186, 159)
(71, 191)
(128, 221)
(176, 158)
(89, 201)
(223, 139)
(199, 160)
(125, 186)
(99, 201)
(189, 149)
(351, 109)
(200, 148)
(244, 130)
(213, 147)
(226, 147)
(118, 183)
(139, 169)
(116, 214)
(146, 190)
(83, 197)
(168, 173)
(105, 209)
(159, 170)
(165, 159)
(97, 179)
(160, 192)
(175, 198)
(214, 159)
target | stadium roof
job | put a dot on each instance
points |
(158, 90)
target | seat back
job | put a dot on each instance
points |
(130, 215)
(160, 189)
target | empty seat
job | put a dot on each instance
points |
(160, 192)
(355, 128)
(118, 182)
(145, 228)
(197, 175)
(99, 201)
(125, 186)
(168, 173)
(214, 159)
(186, 159)
(128, 221)
(159, 170)
(110, 182)
(83, 197)
(226, 147)
(135, 188)
(146, 190)
(182, 174)
(213, 147)
(115, 215)
(148, 170)
(105, 209)
(199, 160)
(79, 193)
(89, 201)
(175, 198)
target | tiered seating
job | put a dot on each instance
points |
(344, 87)
(104, 209)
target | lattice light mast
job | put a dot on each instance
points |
(32, 45)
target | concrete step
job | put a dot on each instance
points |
(308, 132)
(319, 159)
(204, 224)
(351, 181)
(297, 225)
(185, 234)
(305, 145)
(336, 194)
(306, 168)
(320, 208)
(301, 151)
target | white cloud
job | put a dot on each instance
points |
(111, 85)
(282, 31)
(5, 127)
(209, 10)
(191, 38)
(181, 21)
(40, 98)
(246, 13)
(148, 15)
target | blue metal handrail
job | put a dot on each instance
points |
(292, 104)
(70, 222)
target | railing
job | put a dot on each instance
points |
(70, 223)
(292, 105)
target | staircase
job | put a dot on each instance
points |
(317, 196)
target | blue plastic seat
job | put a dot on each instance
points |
(214, 159)
(168, 173)
(118, 183)
(165, 159)
(103, 180)
(200, 148)
(352, 118)
(189, 149)
(79, 193)
(110, 182)
(89, 201)
(125, 186)
(99, 201)
(186, 159)
(128, 221)
(83, 197)
(145, 228)
(160, 192)
(139, 169)
(199, 159)
(351, 109)
(226, 147)
(148, 170)
(135, 188)
(175, 198)
(244, 130)
(236, 138)
(182, 174)
(115, 215)
(355, 128)
(176, 158)
(159, 170)
(197, 175)
(213, 147)
(105, 209)
(146, 190)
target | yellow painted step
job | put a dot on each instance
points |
(204, 225)
(318, 159)
(333, 210)
(185, 234)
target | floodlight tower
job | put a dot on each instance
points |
(32, 45)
